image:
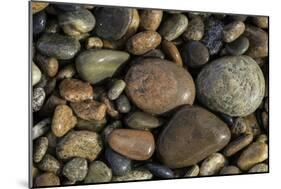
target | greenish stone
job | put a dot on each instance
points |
(92, 125)
(98, 172)
(96, 65)
(142, 120)
(76, 169)
(238, 47)
(36, 74)
(49, 164)
(116, 89)
(137, 174)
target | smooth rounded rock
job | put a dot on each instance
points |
(49, 164)
(58, 46)
(95, 65)
(237, 144)
(75, 169)
(47, 179)
(134, 144)
(230, 170)
(142, 120)
(160, 170)
(48, 65)
(193, 171)
(38, 99)
(238, 47)
(39, 22)
(117, 88)
(233, 30)
(201, 134)
(98, 173)
(150, 19)
(232, 85)
(195, 29)
(133, 175)
(259, 168)
(123, 104)
(36, 74)
(172, 52)
(166, 86)
(212, 164)
(40, 149)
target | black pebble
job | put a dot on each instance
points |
(39, 22)
(160, 171)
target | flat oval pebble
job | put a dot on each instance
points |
(47, 179)
(200, 132)
(259, 168)
(75, 169)
(133, 175)
(195, 54)
(40, 149)
(166, 86)
(39, 22)
(150, 19)
(192, 171)
(160, 170)
(75, 90)
(233, 85)
(212, 164)
(237, 144)
(95, 65)
(63, 120)
(76, 22)
(238, 47)
(59, 46)
(255, 153)
(98, 173)
(112, 22)
(134, 144)
(143, 42)
(123, 104)
(84, 144)
(173, 27)
(230, 170)
(233, 30)
(119, 164)
(195, 29)
(36, 74)
(38, 99)
(117, 88)
(172, 52)
(49, 164)
(142, 120)
(89, 110)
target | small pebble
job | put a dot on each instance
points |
(52, 26)
(233, 30)
(38, 6)
(123, 104)
(142, 120)
(133, 175)
(230, 170)
(94, 43)
(38, 99)
(195, 29)
(172, 52)
(98, 173)
(237, 144)
(264, 116)
(259, 168)
(150, 19)
(41, 128)
(36, 74)
(192, 171)
(48, 65)
(66, 72)
(110, 107)
(160, 171)
(47, 179)
(117, 88)
(39, 22)
(40, 149)
(49, 164)
(238, 47)
(262, 138)
(212, 164)
(75, 169)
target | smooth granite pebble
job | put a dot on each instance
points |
(259, 168)
(233, 30)
(49, 164)
(123, 104)
(160, 170)
(40, 149)
(98, 173)
(36, 74)
(238, 47)
(195, 29)
(75, 169)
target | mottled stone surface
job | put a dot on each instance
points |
(233, 30)
(212, 164)
(117, 88)
(98, 173)
(150, 19)
(84, 144)
(259, 168)
(49, 164)
(232, 85)
(40, 149)
(75, 169)
(41, 128)
(195, 29)
(192, 171)
(142, 120)
(47, 179)
(200, 132)
(38, 99)
(134, 144)
(136, 174)
(158, 86)
(238, 144)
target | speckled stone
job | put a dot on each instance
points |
(160, 171)
(47, 179)
(198, 139)
(150, 19)
(195, 29)
(133, 175)
(48, 65)
(172, 52)
(75, 169)
(76, 22)
(134, 144)
(233, 85)
(192, 171)
(238, 47)
(123, 104)
(173, 26)
(36, 74)
(89, 110)
(233, 30)
(59, 46)
(237, 144)
(167, 86)
(212, 164)
(98, 173)
(38, 6)
(75, 90)
(230, 170)
(38, 99)
(39, 22)
(84, 144)
(259, 168)
(49, 164)
(142, 120)
(255, 153)
(63, 120)
(95, 65)
(40, 149)
(41, 128)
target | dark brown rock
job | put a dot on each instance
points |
(172, 52)
(47, 179)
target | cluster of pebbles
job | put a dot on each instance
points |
(124, 94)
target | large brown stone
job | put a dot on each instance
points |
(158, 86)
(192, 134)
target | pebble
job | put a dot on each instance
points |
(230, 170)
(198, 140)
(94, 43)
(173, 27)
(38, 99)
(40, 128)
(110, 107)
(143, 42)
(39, 22)
(166, 86)
(212, 164)
(109, 128)
(119, 164)
(213, 35)
(50, 86)
(142, 121)
(63, 120)
(95, 65)
(75, 90)
(52, 26)
(252, 126)
(172, 52)
(76, 22)
(47, 179)
(255, 153)
(155, 53)
(50, 105)
(195, 54)
(160, 170)
(75, 169)
(150, 19)
(233, 85)
(259, 168)
(233, 30)
(132, 29)
(40, 149)
(58, 46)
(49, 164)
(66, 72)
(260, 21)
(38, 6)
(133, 175)
(98, 173)
(34, 171)
(92, 125)
(265, 119)
(48, 65)
(89, 110)
(237, 144)
(112, 23)
(123, 104)
(238, 47)
(134, 144)
(36, 74)
(193, 171)
(262, 138)
(258, 42)
(227, 119)
(195, 29)
(84, 144)
(117, 88)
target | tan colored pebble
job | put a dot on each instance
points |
(40, 149)
(94, 43)
(212, 164)
(262, 138)
(260, 21)
(172, 52)
(193, 171)
(233, 30)
(47, 179)
(35, 172)
(259, 168)
(150, 19)
(38, 6)
(195, 29)
(230, 170)
(49, 164)
(66, 72)
(238, 144)
(48, 65)
(110, 108)
(252, 126)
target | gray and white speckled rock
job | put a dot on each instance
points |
(38, 99)
(40, 149)
(76, 169)
(98, 172)
(137, 174)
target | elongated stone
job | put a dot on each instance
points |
(142, 120)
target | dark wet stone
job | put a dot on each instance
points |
(227, 119)
(112, 23)
(201, 134)
(142, 120)
(123, 104)
(155, 53)
(39, 22)
(75, 169)
(38, 99)
(160, 171)
(238, 47)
